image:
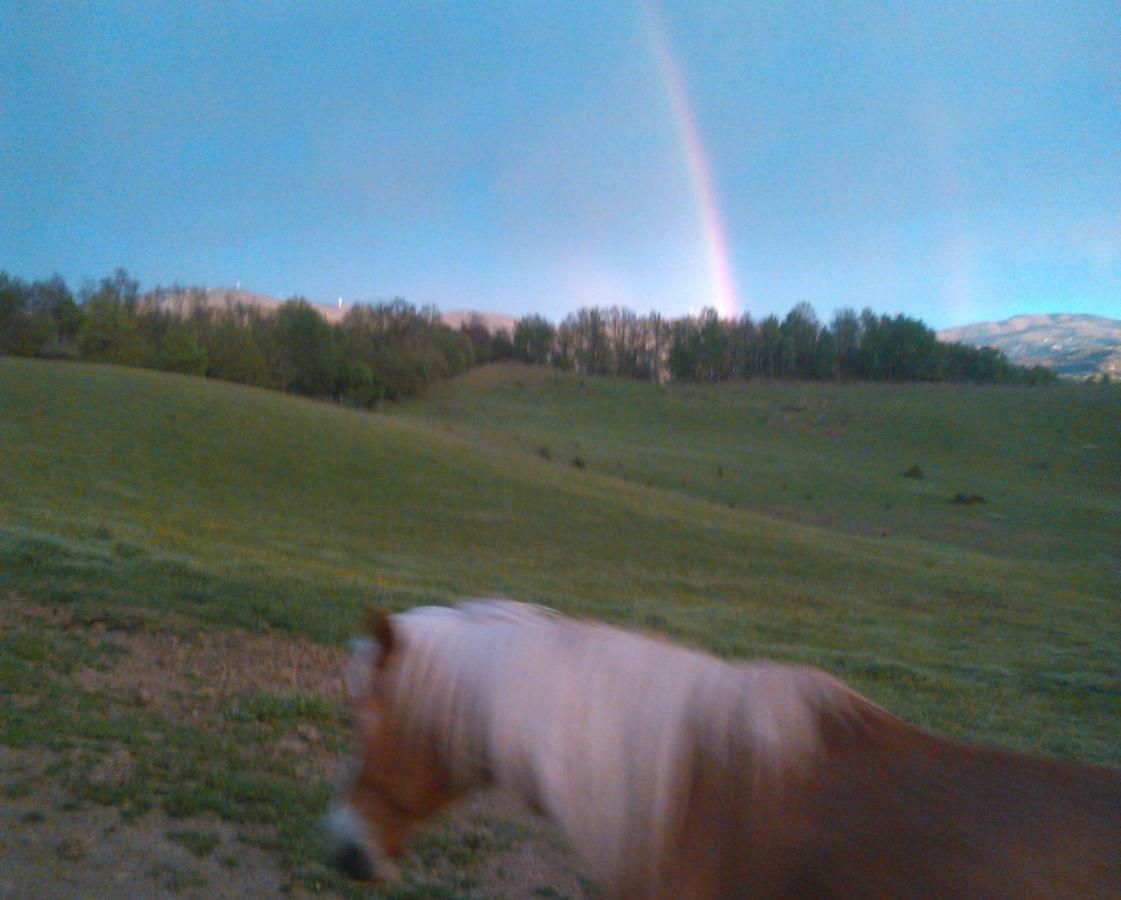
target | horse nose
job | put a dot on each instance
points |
(345, 836)
(351, 859)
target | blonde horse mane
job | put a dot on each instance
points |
(597, 727)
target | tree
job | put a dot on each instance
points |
(453, 348)
(533, 340)
(305, 339)
(405, 348)
(684, 358)
(233, 353)
(914, 348)
(623, 335)
(713, 344)
(744, 348)
(846, 342)
(657, 338)
(55, 319)
(770, 339)
(564, 349)
(871, 362)
(589, 340)
(14, 319)
(121, 287)
(480, 338)
(109, 333)
(178, 351)
(354, 383)
(501, 345)
(799, 334)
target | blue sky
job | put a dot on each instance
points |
(950, 161)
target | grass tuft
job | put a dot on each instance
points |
(290, 706)
(200, 843)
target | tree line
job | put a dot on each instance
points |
(705, 347)
(379, 351)
(388, 351)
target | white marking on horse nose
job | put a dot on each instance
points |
(345, 835)
(352, 849)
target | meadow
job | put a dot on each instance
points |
(758, 519)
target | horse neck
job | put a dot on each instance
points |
(594, 727)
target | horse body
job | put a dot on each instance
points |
(677, 774)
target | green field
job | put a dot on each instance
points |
(758, 519)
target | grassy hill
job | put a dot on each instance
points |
(753, 519)
(758, 519)
(1046, 461)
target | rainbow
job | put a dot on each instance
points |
(724, 296)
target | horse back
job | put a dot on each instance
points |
(886, 809)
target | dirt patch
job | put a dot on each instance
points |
(170, 662)
(46, 852)
(215, 681)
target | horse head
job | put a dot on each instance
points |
(398, 780)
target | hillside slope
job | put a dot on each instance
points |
(826, 455)
(770, 521)
(1073, 345)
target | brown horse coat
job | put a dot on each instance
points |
(677, 774)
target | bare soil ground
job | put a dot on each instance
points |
(53, 846)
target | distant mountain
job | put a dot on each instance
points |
(221, 296)
(453, 318)
(1077, 346)
(494, 322)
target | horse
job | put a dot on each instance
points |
(674, 773)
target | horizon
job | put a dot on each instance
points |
(824, 321)
(955, 166)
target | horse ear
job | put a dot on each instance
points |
(379, 628)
